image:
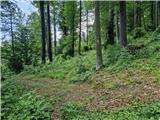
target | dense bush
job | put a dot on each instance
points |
(19, 105)
(138, 32)
(15, 63)
(86, 48)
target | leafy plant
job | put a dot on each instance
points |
(19, 105)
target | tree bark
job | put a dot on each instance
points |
(99, 62)
(12, 36)
(79, 47)
(123, 36)
(152, 14)
(87, 26)
(157, 13)
(49, 33)
(72, 31)
(111, 24)
(117, 25)
(43, 32)
(55, 36)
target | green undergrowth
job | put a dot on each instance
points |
(18, 104)
(72, 111)
(72, 70)
(115, 58)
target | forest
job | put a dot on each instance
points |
(80, 60)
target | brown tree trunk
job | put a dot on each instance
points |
(43, 32)
(55, 36)
(49, 33)
(111, 24)
(79, 46)
(99, 62)
(123, 36)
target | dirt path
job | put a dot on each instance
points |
(104, 91)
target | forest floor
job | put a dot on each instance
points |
(128, 78)
(105, 90)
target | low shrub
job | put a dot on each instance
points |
(138, 32)
(15, 63)
(86, 48)
(72, 111)
(19, 105)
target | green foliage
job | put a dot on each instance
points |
(85, 48)
(15, 63)
(65, 47)
(138, 32)
(18, 105)
(139, 112)
(5, 72)
(72, 111)
(115, 58)
(156, 34)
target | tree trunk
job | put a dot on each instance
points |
(49, 33)
(111, 24)
(123, 36)
(117, 25)
(72, 32)
(152, 14)
(43, 32)
(157, 13)
(99, 62)
(137, 14)
(64, 27)
(12, 36)
(79, 47)
(55, 36)
(87, 27)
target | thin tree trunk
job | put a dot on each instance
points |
(117, 25)
(123, 36)
(111, 24)
(43, 32)
(55, 36)
(143, 19)
(79, 47)
(156, 14)
(49, 33)
(72, 32)
(99, 62)
(152, 13)
(64, 27)
(137, 14)
(87, 27)
(12, 36)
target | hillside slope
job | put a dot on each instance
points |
(130, 77)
